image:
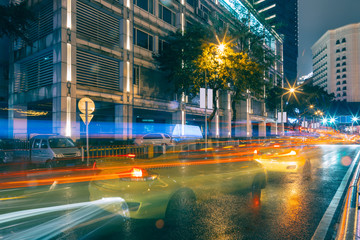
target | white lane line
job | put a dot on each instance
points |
(324, 224)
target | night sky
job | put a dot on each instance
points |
(318, 16)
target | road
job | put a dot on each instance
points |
(292, 207)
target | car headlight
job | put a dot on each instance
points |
(59, 155)
(78, 154)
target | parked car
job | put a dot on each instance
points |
(154, 139)
(170, 187)
(54, 151)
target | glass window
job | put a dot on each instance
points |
(344, 88)
(338, 42)
(338, 59)
(162, 45)
(344, 64)
(338, 95)
(338, 83)
(337, 71)
(338, 64)
(136, 75)
(153, 136)
(337, 50)
(61, 143)
(191, 3)
(344, 69)
(344, 82)
(343, 49)
(343, 40)
(147, 5)
(166, 15)
(344, 57)
(143, 39)
(344, 76)
(338, 77)
(338, 89)
(37, 143)
(44, 143)
(344, 93)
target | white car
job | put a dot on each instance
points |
(154, 139)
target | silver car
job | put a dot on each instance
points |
(54, 151)
(154, 139)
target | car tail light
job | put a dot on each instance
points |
(131, 155)
(137, 174)
(255, 151)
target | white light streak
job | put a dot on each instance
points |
(68, 62)
(68, 14)
(128, 34)
(127, 76)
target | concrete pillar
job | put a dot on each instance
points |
(123, 121)
(273, 128)
(262, 129)
(18, 121)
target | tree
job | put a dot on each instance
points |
(194, 57)
(15, 19)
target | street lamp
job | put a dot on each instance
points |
(290, 91)
(353, 119)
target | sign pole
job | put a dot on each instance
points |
(206, 113)
(87, 133)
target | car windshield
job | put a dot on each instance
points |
(61, 143)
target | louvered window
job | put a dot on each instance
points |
(97, 26)
(97, 71)
(34, 73)
(41, 26)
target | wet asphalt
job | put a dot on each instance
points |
(292, 205)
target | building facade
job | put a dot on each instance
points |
(336, 61)
(283, 16)
(103, 50)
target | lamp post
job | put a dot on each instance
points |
(290, 91)
(354, 119)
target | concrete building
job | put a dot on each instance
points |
(102, 49)
(283, 16)
(336, 61)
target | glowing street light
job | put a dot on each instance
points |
(324, 121)
(353, 119)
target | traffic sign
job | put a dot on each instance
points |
(83, 117)
(82, 105)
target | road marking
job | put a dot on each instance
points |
(325, 222)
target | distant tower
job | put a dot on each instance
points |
(283, 16)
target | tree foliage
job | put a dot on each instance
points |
(15, 19)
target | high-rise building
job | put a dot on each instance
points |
(336, 61)
(103, 50)
(283, 16)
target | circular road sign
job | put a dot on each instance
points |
(82, 105)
